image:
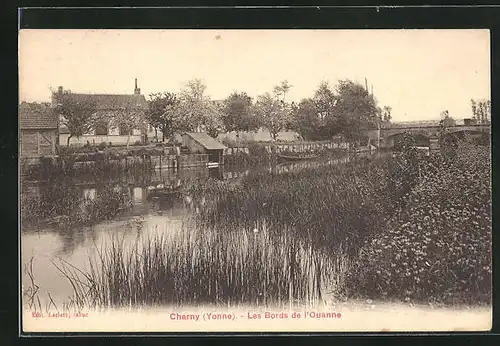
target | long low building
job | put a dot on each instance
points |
(108, 110)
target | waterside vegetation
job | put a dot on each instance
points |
(405, 227)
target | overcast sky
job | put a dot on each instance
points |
(418, 73)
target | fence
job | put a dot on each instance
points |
(192, 160)
(161, 162)
(301, 147)
(164, 161)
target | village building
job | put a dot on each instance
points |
(38, 130)
(108, 108)
(202, 143)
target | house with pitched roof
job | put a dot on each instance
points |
(38, 130)
(202, 143)
(109, 110)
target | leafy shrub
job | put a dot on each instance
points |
(438, 247)
(101, 146)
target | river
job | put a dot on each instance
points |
(51, 247)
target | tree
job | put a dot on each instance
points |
(356, 110)
(325, 101)
(282, 89)
(447, 142)
(307, 121)
(481, 110)
(127, 120)
(484, 111)
(76, 115)
(272, 113)
(386, 114)
(197, 110)
(238, 113)
(212, 120)
(163, 113)
(446, 120)
(474, 109)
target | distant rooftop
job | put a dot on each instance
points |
(135, 101)
(112, 101)
(206, 141)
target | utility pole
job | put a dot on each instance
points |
(366, 84)
(378, 136)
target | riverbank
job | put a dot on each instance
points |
(104, 160)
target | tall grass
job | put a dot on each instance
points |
(206, 266)
(326, 207)
(94, 166)
(64, 205)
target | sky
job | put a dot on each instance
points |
(419, 73)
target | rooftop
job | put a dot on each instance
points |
(34, 116)
(112, 101)
(206, 141)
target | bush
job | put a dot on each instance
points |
(438, 247)
(101, 146)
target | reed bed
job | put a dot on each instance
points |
(329, 207)
(206, 266)
(101, 166)
(63, 205)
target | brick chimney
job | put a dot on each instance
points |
(137, 91)
(56, 96)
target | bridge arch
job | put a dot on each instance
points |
(422, 139)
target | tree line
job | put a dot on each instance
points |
(481, 111)
(346, 109)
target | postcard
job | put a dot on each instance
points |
(255, 180)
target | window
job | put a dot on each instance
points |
(101, 129)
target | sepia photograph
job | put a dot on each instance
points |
(255, 180)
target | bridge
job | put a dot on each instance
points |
(427, 135)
